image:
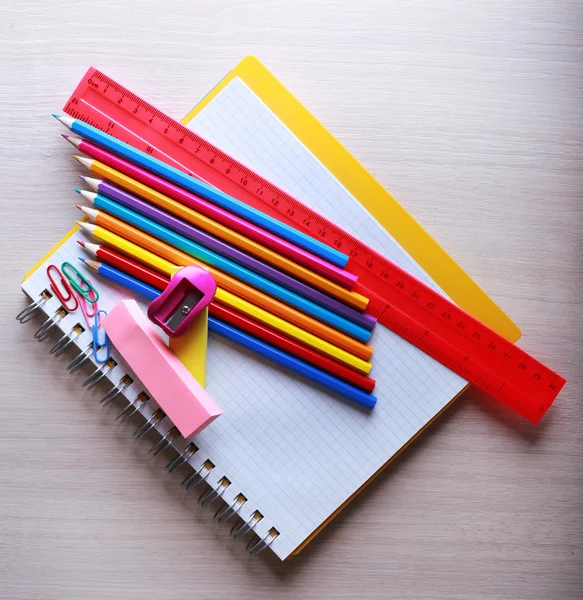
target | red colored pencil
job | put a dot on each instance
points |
(292, 347)
(236, 319)
(121, 262)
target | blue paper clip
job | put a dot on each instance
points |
(98, 344)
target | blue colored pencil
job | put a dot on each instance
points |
(294, 364)
(212, 194)
(235, 270)
(121, 278)
(244, 339)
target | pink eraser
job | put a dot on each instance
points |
(180, 396)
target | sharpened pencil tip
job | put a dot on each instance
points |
(73, 140)
(82, 258)
(92, 182)
(85, 225)
(65, 120)
(81, 242)
(78, 206)
(86, 162)
(78, 190)
(89, 196)
(65, 136)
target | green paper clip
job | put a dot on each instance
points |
(76, 279)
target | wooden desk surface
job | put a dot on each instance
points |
(470, 114)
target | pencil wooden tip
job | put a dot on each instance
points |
(65, 120)
(75, 141)
(86, 162)
(89, 196)
(86, 227)
(92, 264)
(92, 182)
(91, 249)
(90, 212)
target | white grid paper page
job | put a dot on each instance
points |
(311, 451)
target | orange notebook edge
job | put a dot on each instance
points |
(383, 207)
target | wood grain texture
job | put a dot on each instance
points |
(470, 114)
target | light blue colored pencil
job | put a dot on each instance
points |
(204, 190)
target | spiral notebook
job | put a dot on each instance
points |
(286, 455)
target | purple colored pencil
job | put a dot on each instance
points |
(227, 250)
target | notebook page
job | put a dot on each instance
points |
(311, 451)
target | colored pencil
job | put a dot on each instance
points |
(119, 261)
(108, 191)
(128, 247)
(107, 160)
(314, 333)
(204, 190)
(227, 234)
(231, 268)
(293, 331)
(118, 277)
(367, 401)
(248, 341)
(231, 317)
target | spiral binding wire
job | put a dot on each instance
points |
(211, 495)
(66, 340)
(154, 417)
(30, 312)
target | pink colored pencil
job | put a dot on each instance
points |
(332, 272)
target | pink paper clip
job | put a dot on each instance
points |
(85, 308)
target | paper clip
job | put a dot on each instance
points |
(68, 294)
(97, 343)
(76, 277)
(89, 316)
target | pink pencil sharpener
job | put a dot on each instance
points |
(189, 291)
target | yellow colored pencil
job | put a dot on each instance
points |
(165, 258)
(133, 186)
(259, 314)
(131, 249)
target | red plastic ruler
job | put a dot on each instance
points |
(400, 301)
